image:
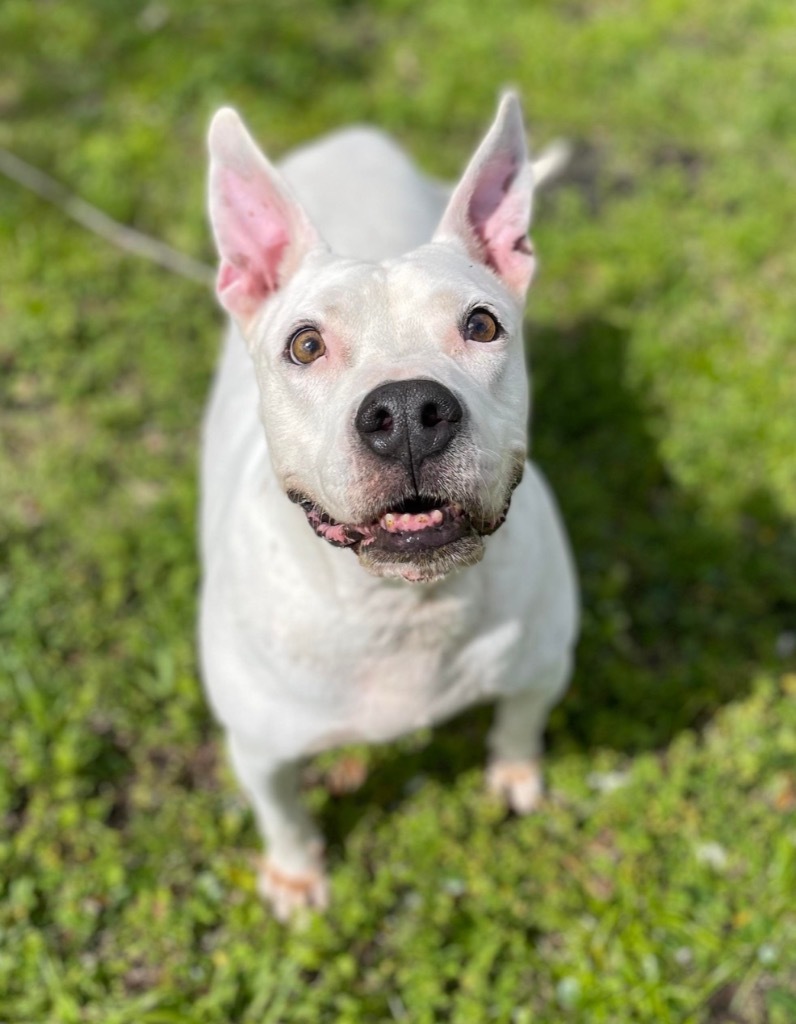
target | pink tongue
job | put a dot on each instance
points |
(410, 522)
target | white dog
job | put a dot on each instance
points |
(363, 575)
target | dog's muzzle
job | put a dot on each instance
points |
(421, 530)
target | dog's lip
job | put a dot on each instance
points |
(409, 524)
(407, 532)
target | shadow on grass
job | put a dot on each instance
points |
(678, 612)
(678, 615)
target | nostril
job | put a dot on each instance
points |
(429, 415)
(383, 420)
(375, 419)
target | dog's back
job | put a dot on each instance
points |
(365, 196)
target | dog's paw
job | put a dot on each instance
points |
(518, 783)
(346, 775)
(290, 894)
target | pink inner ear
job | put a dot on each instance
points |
(253, 233)
(493, 183)
(499, 211)
(506, 241)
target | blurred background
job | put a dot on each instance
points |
(657, 883)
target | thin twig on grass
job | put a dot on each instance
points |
(99, 223)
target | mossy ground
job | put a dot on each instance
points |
(659, 881)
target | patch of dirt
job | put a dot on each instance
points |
(736, 1004)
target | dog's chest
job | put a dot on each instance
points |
(398, 663)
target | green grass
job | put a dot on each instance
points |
(659, 882)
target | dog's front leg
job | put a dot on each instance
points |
(292, 875)
(515, 740)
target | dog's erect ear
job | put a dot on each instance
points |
(490, 209)
(261, 232)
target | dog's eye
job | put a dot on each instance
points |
(306, 346)
(481, 326)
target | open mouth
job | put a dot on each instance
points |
(413, 525)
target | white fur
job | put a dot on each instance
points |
(302, 648)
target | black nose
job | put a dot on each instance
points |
(408, 420)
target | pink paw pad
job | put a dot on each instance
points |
(346, 775)
(518, 783)
(289, 893)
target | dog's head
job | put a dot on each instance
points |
(393, 394)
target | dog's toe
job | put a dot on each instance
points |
(518, 783)
(346, 775)
(291, 893)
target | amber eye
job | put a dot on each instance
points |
(306, 346)
(481, 326)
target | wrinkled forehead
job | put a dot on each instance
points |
(440, 278)
(425, 291)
